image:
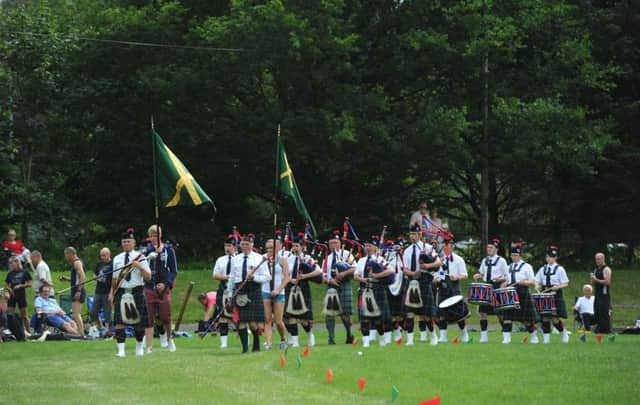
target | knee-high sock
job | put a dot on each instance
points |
(120, 336)
(331, 327)
(364, 326)
(507, 327)
(546, 326)
(484, 324)
(559, 325)
(442, 324)
(292, 328)
(307, 327)
(224, 329)
(347, 326)
(244, 339)
(256, 339)
(422, 325)
(139, 333)
(430, 325)
(410, 325)
(462, 324)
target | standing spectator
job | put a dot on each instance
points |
(78, 293)
(601, 279)
(103, 277)
(17, 280)
(420, 215)
(42, 274)
(435, 217)
(584, 307)
(12, 246)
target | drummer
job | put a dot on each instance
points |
(521, 277)
(553, 277)
(454, 269)
(493, 270)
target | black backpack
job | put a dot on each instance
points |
(15, 325)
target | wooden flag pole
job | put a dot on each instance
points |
(184, 305)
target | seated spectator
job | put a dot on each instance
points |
(42, 273)
(55, 316)
(17, 280)
(208, 301)
(13, 247)
(584, 307)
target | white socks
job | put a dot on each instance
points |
(465, 335)
(397, 334)
(423, 335)
(223, 342)
(311, 339)
(139, 348)
(409, 338)
(120, 350)
(534, 338)
(546, 338)
(443, 336)
(506, 337)
(365, 341)
(387, 338)
(484, 337)
(565, 335)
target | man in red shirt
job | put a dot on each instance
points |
(11, 246)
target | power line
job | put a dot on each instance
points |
(132, 43)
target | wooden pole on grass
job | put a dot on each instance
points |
(184, 305)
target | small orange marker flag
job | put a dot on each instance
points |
(282, 361)
(432, 401)
(599, 338)
(305, 353)
(525, 339)
(355, 342)
(329, 375)
(361, 383)
(455, 340)
(399, 341)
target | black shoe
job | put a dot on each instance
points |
(349, 340)
(332, 342)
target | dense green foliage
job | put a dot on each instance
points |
(380, 103)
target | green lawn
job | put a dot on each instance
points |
(200, 372)
(626, 304)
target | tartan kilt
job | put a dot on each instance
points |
(380, 295)
(219, 304)
(527, 311)
(345, 294)
(306, 293)
(254, 310)
(426, 292)
(141, 306)
(396, 303)
(489, 309)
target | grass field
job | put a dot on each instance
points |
(200, 372)
(626, 302)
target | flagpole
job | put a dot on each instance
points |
(275, 196)
(155, 195)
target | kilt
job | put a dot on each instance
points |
(219, 304)
(396, 303)
(141, 306)
(306, 293)
(561, 306)
(380, 295)
(446, 290)
(527, 312)
(254, 310)
(489, 309)
(426, 292)
(345, 294)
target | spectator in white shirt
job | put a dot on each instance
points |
(584, 307)
(42, 274)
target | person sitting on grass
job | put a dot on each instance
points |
(208, 301)
(55, 316)
(584, 307)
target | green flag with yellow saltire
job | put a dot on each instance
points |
(175, 185)
(286, 183)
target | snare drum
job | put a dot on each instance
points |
(454, 309)
(506, 298)
(545, 302)
(480, 293)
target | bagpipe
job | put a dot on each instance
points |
(308, 265)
